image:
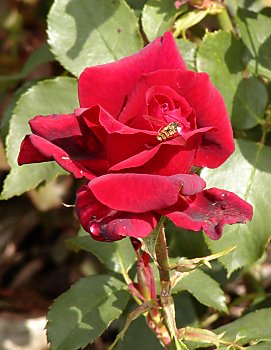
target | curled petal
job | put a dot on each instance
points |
(167, 158)
(122, 141)
(210, 110)
(106, 224)
(136, 160)
(170, 160)
(30, 154)
(61, 129)
(66, 139)
(98, 116)
(98, 85)
(210, 210)
(56, 127)
(140, 193)
(35, 149)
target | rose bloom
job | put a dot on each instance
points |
(143, 124)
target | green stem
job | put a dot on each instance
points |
(225, 21)
(162, 255)
(166, 299)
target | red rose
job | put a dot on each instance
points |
(125, 105)
(142, 120)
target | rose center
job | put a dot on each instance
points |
(164, 108)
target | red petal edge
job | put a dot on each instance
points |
(105, 224)
(210, 210)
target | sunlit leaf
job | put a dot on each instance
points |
(157, 17)
(84, 33)
(248, 174)
(81, 314)
(255, 30)
(188, 20)
(220, 55)
(254, 326)
(203, 288)
(58, 95)
(188, 51)
(116, 256)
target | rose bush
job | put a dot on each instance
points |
(143, 123)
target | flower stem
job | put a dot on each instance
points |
(225, 21)
(166, 299)
(162, 255)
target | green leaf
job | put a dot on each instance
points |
(185, 309)
(184, 243)
(248, 106)
(202, 336)
(84, 33)
(149, 242)
(252, 5)
(139, 336)
(188, 20)
(47, 97)
(248, 174)
(39, 56)
(254, 326)
(206, 290)
(116, 256)
(157, 17)
(81, 314)
(4, 124)
(260, 346)
(255, 30)
(136, 4)
(188, 52)
(133, 315)
(220, 55)
(259, 69)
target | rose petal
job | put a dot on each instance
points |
(210, 210)
(171, 159)
(64, 131)
(121, 141)
(208, 105)
(35, 149)
(128, 148)
(138, 103)
(55, 126)
(210, 110)
(128, 225)
(139, 193)
(97, 116)
(29, 154)
(134, 161)
(167, 158)
(105, 224)
(109, 84)
(66, 139)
